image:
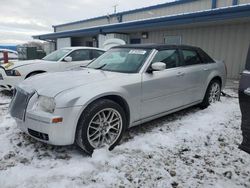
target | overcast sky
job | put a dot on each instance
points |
(19, 20)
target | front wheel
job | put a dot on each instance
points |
(212, 94)
(101, 124)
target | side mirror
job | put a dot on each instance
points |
(68, 59)
(158, 66)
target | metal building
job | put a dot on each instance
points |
(220, 27)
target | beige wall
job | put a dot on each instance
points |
(244, 1)
(224, 42)
(194, 6)
(175, 9)
(86, 24)
(224, 3)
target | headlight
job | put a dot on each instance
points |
(46, 104)
(13, 73)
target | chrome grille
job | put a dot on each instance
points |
(19, 103)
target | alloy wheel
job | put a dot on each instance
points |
(104, 128)
(214, 94)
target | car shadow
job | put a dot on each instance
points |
(158, 123)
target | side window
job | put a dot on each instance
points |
(80, 55)
(97, 53)
(169, 57)
(191, 57)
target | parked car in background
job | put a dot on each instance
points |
(126, 86)
(244, 99)
(64, 59)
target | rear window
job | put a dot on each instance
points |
(205, 57)
(248, 60)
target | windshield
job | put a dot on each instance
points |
(56, 55)
(121, 60)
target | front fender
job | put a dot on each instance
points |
(83, 96)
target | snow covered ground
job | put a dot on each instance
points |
(191, 148)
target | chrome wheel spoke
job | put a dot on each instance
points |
(92, 127)
(109, 115)
(114, 128)
(114, 120)
(91, 135)
(111, 133)
(97, 136)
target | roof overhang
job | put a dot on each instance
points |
(212, 15)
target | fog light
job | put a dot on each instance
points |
(57, 120)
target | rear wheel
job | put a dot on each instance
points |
(101, 124)
(212, 94)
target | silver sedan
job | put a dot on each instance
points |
(126, 86)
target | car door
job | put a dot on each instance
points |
(163, 90)
(196, 73)
(81, 57)
(244, 99)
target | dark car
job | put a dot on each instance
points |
(244, 98)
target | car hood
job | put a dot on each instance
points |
(51, 84)
(17, 64)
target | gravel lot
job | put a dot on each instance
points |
(191, 148)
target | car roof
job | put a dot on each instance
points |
(83, 47)
(155, 46)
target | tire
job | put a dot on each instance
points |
(212, 95)
(101, 124)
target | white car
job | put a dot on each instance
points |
(12, 55)
(13, 73)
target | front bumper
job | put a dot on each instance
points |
(8, 82)
(38, 124)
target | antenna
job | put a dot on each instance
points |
(115, 8)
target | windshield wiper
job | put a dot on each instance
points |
(100, 66)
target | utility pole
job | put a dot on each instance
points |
(115, 8)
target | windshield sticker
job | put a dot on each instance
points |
(137, 52)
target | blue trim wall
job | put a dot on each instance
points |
(214, 4)
(235, 2)
(177, 2)
(197, 17)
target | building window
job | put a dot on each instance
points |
(235, 2)
(172, 40)
(214, 4)
(135, 41)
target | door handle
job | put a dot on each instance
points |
(179, 74)
(206, 69)
(247, 91)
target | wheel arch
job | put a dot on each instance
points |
(216, 78)
(114, 97)
(37, 72)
